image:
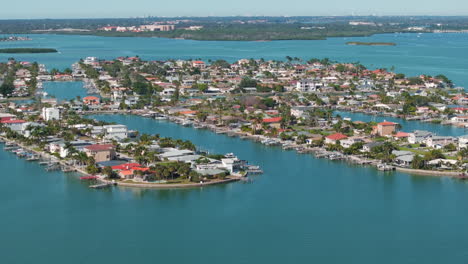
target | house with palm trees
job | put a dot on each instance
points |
(273, 122)
(101, 152)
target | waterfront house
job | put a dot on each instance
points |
(173, 152)
(334, 138)
(273, 122)
(401, 135)
(232, 164)
(91, 100)
(403, 158)
(100, 152)
(460, 119)
(418, 136)
(385, 128)
(346, 143)
(117, 132)
(369, 146)
(438, 141)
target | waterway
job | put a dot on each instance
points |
(414, 54)
(302, 210)
(65, 90)
(407, 126)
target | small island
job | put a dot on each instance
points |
(371, 43)
(28, 50)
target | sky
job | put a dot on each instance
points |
(29, 9)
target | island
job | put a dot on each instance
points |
(357, 43)
(28, 50)
(299, 105)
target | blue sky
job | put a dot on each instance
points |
(133, 8)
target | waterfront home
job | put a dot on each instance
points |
(62, 149)
(442, 163)
(401, 135)
(50, 113)
(232, 164)
(91, 100)
(460, 119)
(100, 152)
(334, 138)
(117, 132)
(51, 101)
(418, 136)
(313, 138)
(369, 146)
(346, 143)
(385, 128)
(403, 158)
(186, 158)
(438, 141)
(273, 122)
(173, 152)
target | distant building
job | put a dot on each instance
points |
(157, 27)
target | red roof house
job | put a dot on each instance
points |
(333, 138)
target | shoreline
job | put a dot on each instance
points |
(148, 185)
(300, 149)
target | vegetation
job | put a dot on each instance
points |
(28, 50)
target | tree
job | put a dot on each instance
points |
(418, 162)
(6, 89)
(110, 173)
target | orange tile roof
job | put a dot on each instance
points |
(337, 136)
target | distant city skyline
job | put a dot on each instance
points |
(33, 9)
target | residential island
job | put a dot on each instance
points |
(288, 103)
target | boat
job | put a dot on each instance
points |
(33, 158)
(102, 185)
(385, 167)
(88, 177)
(186, 123)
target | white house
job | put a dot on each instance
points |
(463, 142)
(438, 141)
(117, 132)
(50, 114)
(418, 136)
(307, 85)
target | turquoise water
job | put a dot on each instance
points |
(414, 54)
(302, 210)
(65, 90)
(407, 126)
